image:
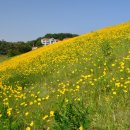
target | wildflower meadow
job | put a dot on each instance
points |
(77, 84)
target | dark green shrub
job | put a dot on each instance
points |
(71, 117)
(106, 49)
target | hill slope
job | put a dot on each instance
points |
(92, 70)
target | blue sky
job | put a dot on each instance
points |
(23, 20)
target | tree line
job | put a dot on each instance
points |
(60, 36)
(16, 48)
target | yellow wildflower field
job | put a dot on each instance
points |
(92, 69)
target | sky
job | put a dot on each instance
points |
(24, 20)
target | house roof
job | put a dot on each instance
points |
(50, 39)
(45, 38)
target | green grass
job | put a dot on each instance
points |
(82, 83)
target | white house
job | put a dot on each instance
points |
(47, 41)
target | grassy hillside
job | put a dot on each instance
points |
(80, 83)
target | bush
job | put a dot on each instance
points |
(106, 49)
(71, 116)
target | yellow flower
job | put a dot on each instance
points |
(0, 115)
(48, 128)
(77, 87)
(104, 72)
(125, 91)
(47, 97)
(26, 114)
(66, 100)
(45, 117)
(51, 113)
(114, 93)
(113, 65)
(30, 103)
(78, 99)
(28, 128)
(32, 123)
(39, 99)
(125, 86)
(117, 84)
(81, 127)
(39, 104)
(9, 110)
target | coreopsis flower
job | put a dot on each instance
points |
(28, 128)
(51, 113)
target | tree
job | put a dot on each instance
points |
(60, 36)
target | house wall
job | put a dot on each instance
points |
(48, 41)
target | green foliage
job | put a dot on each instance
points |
(23, 47)
(13, 49)
(38, 42)
(106, 49)
(19, 49)
(71, 116)
(4, 47)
